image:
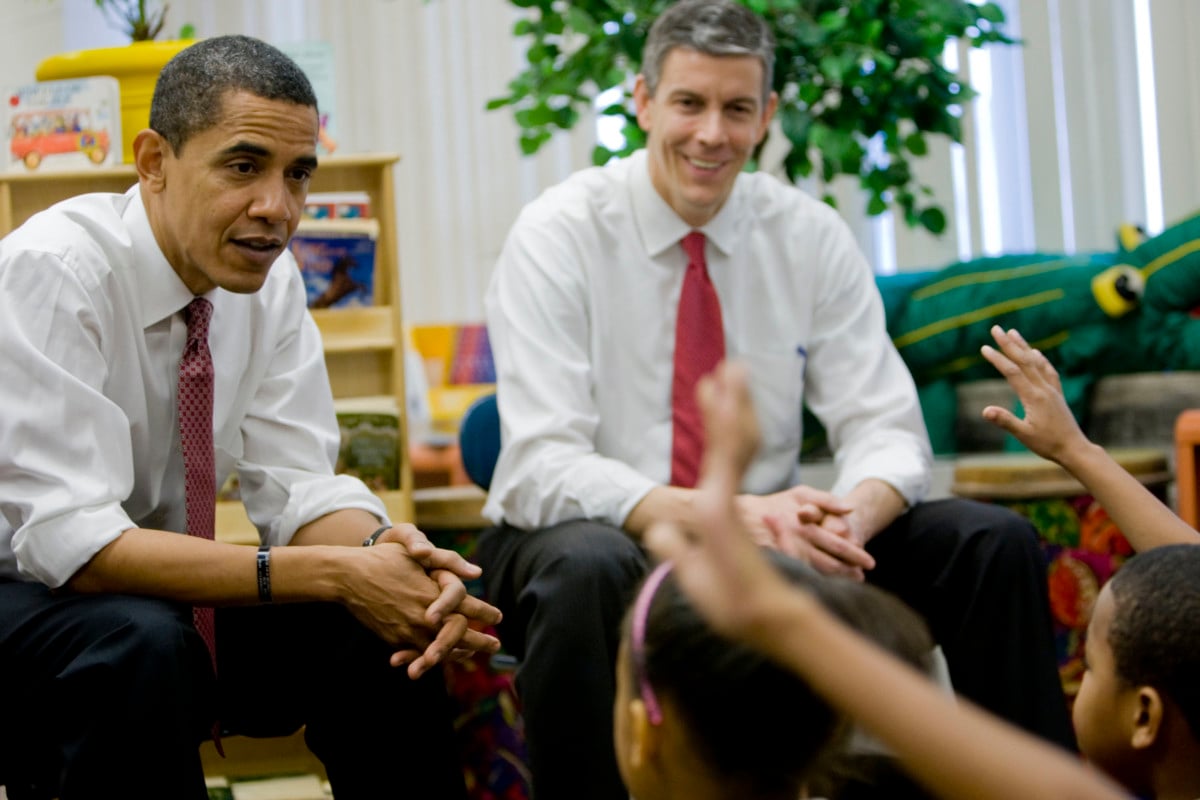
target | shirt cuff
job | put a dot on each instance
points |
(52, 552)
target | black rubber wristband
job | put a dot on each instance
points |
(264, 574)
(374, 537)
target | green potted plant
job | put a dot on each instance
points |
(847, 72)
(135, 66)
(140, 20)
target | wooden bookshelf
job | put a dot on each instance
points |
(364, 347)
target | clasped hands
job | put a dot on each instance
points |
(810, 524)
(413, 597)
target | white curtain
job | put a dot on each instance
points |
(1091, 122)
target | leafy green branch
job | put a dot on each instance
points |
(848, 73)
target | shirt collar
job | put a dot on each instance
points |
(160, 289)
(659, 225)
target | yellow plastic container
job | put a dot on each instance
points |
(135, 66)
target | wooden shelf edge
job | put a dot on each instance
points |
(66, 175)
(457, 507)
(247, 756)
(399, 504)
(233, 526)
(346, 330)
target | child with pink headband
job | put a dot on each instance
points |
(700, 716)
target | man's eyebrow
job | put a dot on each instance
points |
(246, 149)
(251, 149)
(682, 94)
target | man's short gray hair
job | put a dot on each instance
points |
(712, 27)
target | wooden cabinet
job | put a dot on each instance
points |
(364, 347)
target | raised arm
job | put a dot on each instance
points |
(1050, 430)
(951, 746)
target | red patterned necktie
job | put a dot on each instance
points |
(699, 347)
(196, 437)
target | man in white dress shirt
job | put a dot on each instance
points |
(109, 688)
(582, 317)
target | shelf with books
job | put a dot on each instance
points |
(364, 350)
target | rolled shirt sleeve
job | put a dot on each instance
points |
(89, 445)
(539, 323)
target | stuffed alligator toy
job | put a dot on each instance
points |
(1095, 314)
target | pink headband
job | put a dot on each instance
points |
(641, 610)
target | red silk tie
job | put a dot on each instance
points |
(699, 347)
(196, 437)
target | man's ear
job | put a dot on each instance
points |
(1148, 718)
(150, 151)
(641, 101)
(768, 113)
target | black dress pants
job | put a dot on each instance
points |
(974, 571)
(112, 695)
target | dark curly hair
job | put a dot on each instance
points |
(1155, 631)
(190, 90)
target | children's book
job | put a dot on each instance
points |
(337, 259)
(337, 205)
(370, 446)
(458, 369)
(455, 353)
(56, 125)
(317, 61)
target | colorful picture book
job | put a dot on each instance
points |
(337, 259)
(337, 205)
(370, 446)
(455, 354)
(317, 60)
(458, 369)
(369, 449)
(57, 125)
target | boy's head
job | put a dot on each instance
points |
(692, 705)
(1141, 693)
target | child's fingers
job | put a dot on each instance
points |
(1000, 417)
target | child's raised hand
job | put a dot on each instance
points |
(724, 573)
(1049, 428)
(731, 432)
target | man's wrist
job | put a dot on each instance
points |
(264, 574)
(374, 537)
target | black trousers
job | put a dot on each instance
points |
(111, 695)
(974, 571)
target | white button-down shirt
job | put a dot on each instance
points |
(581, 314)
(92, 333)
